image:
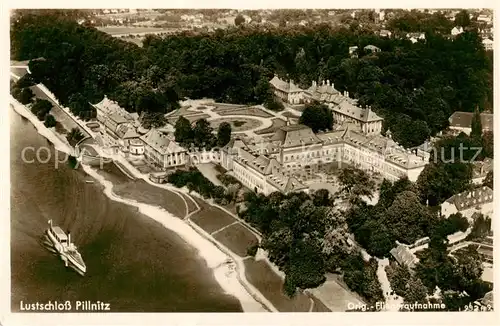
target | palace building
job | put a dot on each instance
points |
(343, 107)
(162, 150)
(278, 162)
(118, 127)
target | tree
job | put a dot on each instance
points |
(399, 279)
(462, 19)
(154, 120)
(459, 222)
(356, 183)
(477, 128)
(202, 134)
(50, 121)
(74, 136)
(25, 81)
(239, 20)
(274, 104)
(481, 227)
(183, 132)
(41, 108)
(438, 182)
(24, 95)
(252, 249)
(322, 198)
(488, 148)
(488, 180)
(318, 117)
(415, 291)
(223, 134)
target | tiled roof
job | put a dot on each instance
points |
(403, 255)
(107, 107)
(161, 143)
(464, 120)
(116, 118)
(284, 86)
(468, 199)
(295, 135)
(126, 131)
(347, 108)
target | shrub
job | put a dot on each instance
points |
(252, 249)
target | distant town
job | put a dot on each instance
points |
(358, 147)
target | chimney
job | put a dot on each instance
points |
(328, 82)
(69, 238)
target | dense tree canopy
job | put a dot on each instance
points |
(318, 117)
(419, 84)
(223, 134)
(398, 215)
(305, 237)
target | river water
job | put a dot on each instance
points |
(133, 263)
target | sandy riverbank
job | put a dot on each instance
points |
(226, 271)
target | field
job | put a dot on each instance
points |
(128, 30)
(212, 219)
(237, 237)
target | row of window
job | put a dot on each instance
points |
(316, 154)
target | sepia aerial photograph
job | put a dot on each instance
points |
(230, 160)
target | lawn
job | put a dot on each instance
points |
(192, 118)
(66, 121)
(212, 218)
(184, 111)
(271, 286)
(251, 111)
(237, 238)
(237, 125)
(277, 123)
(143, 192)
(191, 206)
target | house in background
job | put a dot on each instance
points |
(480, 169)
(479, 200)
(488, 44)
(404, 255)
(462, 122)
(371, 48)
(457, 30)
(353, 51)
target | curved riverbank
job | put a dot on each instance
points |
(228, 277)
(221, 263)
